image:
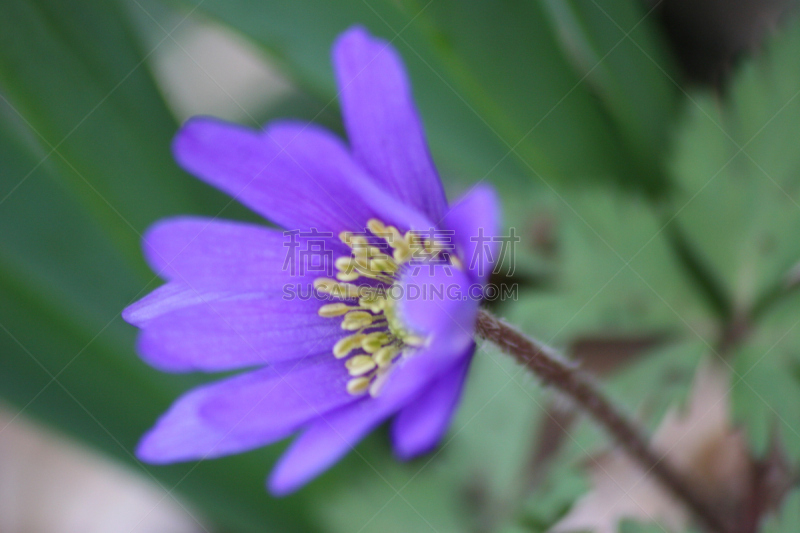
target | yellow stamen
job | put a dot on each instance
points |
(357, 320)
(383, 264)
(359, 365)
(358, 385)
(344, 346)
(332, 310)
(347, 276)
(376, 227)
(370, 356)
(336, 289)
(374, 341)
(373, 302)
(402, 254)
(385, 355)
(345, 264)
(414, 340)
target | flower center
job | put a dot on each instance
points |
(368, 309)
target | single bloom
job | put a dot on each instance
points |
(362, 310)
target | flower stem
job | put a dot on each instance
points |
(554, 371)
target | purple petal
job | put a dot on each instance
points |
(253, 169)
(165, 299)
(334, 434)
(205, 253)
(447, 323)
(421, 424)
(298, 176)
(297, 391)
(382, 124)
(236, 332)
(322, 444)
(184, 434)
(475, 221)
(358, 194)
(331, 437)
(437, 300)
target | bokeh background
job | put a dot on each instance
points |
(645, 151)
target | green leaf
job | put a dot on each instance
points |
(608, 41)
(70, 224)
(555, 495)
(738, 170)
(92, 107)
(660, 380)
(738, 207)
(766, 382)
(489, 80)
(615, 277)
(68, 357)
(788, 518)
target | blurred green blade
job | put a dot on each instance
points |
(72, 75)
(62, 285)
(493, 83)
(299, 35)
(614, 44)
(562, 121)
(85, 167)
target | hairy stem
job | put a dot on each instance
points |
(554, 371)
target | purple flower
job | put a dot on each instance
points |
(334, 362)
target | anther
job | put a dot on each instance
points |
(383, 264)
(396, 236)
(402, 254)
(359, 365)
(358, 385)
(336, 289)
(348, 276)
(356, 320)
(358, 242)
(374, 341)
(332, 310)
(376, 227)
(413, 340)
(344, 264)
(344, 346)
(373, 302)
(385, 355)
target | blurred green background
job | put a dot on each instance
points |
(646, 152)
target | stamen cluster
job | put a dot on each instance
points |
(379, 336)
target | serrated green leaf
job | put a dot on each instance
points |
(737, 166)
(618, 276)
(660, 380)
(766, 383)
